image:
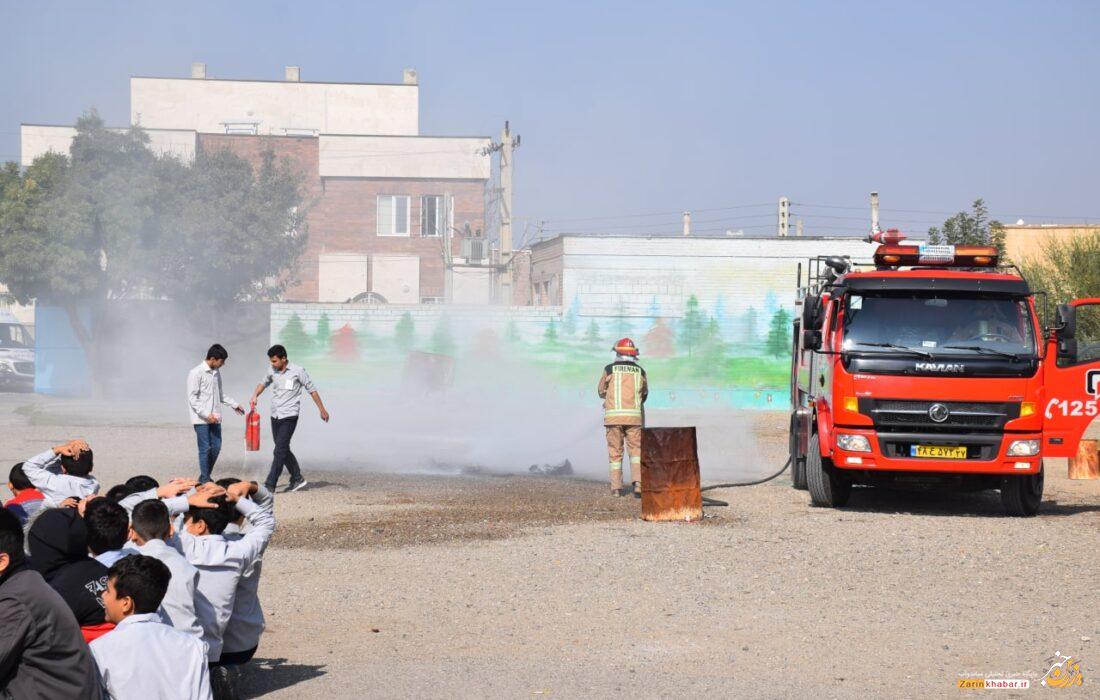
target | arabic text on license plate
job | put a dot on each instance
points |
(937, 451)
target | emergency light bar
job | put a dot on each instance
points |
(889, 255)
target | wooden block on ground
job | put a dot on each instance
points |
(670, 475)
(1086, 465)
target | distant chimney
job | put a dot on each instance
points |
(409, 77)
(687, 223)
(293, 74)
(198, 71)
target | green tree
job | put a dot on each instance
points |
(550, 335)
(511, 331)
(404, 333)
(592, 333)
(442, 341)
(692, 325)
(1066, 269)
(970, 228)
(324, 333)
(295, 338)
(779, 334)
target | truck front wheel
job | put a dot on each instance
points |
(1021, 495)
(827, 488)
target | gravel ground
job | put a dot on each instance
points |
(428, 585)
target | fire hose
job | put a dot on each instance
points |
(716, 502)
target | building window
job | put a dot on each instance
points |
(393, 215)
(431, 215)
(241, 128)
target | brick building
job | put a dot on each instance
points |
(385, 205)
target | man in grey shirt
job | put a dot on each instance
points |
(287, 382)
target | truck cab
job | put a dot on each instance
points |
(930, 365)
(16, 354)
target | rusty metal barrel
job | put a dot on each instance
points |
(670, 475)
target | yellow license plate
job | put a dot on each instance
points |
(937, 451)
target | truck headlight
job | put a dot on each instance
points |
(853, 443)
(1023, 448)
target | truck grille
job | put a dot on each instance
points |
(901, 415)
(24, 367)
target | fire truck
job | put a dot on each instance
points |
(931, 365)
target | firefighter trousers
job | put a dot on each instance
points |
(632, 434)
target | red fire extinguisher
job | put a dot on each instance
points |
(252, 429)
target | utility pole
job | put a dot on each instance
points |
(506, 145)
(784, 225)
(687, 223)
(874, 213)
(798, 228)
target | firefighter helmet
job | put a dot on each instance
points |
(626, 347)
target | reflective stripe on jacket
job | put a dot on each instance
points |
(623, 388)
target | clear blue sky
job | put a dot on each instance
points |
(638, 107)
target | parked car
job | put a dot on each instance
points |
(16, 354)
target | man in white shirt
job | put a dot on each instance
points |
(143, 657)
(62, 472)
(287, 382)
(204, 396)
(182, 607)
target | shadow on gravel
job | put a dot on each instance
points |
(977, 504)
(264, 676)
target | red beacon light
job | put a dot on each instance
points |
(888, 237)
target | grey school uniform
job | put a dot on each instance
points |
(286, 402)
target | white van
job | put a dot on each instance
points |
(16, 354)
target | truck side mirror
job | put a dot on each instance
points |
(811, 340)
(1066, 333)
(811, 313)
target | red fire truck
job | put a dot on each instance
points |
(930, 365)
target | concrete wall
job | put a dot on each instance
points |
(323, 108)
(1027, 241)
(655, 276)
(37, 139)
(431, 157)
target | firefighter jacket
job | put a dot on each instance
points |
(623, 388)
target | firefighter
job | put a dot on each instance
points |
(623, 388)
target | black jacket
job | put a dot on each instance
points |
(42, 654)
(58, 543)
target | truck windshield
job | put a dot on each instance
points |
(938, 323)
(13, 335)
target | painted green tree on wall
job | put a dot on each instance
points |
(692, 326)
(295, 338)
(550, 335)
(779, 334)
(324, 333)
(592, 333)
(623, 327)
(569, 321)
(404, 333)
(442, 341)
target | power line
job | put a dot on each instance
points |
(660, 213)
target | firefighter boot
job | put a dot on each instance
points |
(617, 482)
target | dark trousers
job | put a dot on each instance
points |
(282, 429)
(209, 438)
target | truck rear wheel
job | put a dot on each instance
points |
(827, 488)
(798, 462)
(1022, 495)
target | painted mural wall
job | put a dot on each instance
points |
(713, 323)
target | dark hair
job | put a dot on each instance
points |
(150, 520)
(217, 352)
(141, 483)
(227, 481)
(81, 466)
(142, 579)
(11, 537)
(18, 479)
(118, 492)
(108, 525)
(277, 351)
(216, 519)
